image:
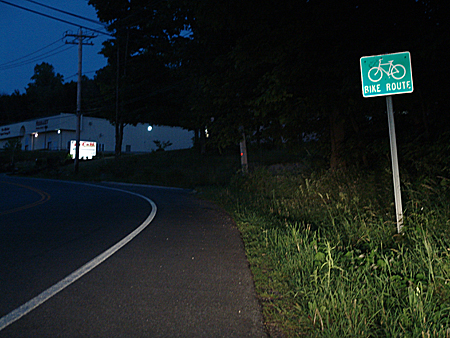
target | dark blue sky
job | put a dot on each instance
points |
(24, 33)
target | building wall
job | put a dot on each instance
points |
(56, 132)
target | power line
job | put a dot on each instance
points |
(39, 57)
(84, 73)
(25, 56)
(54, 18)
(45, 55)
(68, 13)
(10, 64)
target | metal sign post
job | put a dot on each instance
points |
(387, 75)
(395, 171)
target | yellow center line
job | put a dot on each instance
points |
(44, 198)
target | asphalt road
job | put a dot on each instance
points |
(184, 275)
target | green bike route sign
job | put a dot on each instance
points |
(387, 74)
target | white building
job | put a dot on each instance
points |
(56, 132)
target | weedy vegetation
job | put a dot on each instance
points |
(327, 259)
(326, 256)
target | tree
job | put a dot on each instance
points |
(45, 92)
(47, 95)
(142, 59)
(13, 108)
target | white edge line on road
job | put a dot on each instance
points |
(147, 185)
(53, 290)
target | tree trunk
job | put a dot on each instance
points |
(360, 141)
(337, 133)
(119, 139)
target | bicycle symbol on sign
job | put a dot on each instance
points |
(398, 72)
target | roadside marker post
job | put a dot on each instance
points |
(243, 148)
(387, 75)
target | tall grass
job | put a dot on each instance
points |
(327, 259)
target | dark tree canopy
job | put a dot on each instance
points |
(274, 70)
(46, 95)
(279, 70)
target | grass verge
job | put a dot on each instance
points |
(327, 260)
(178, 168)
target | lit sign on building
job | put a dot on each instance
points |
(88, 149)
(4, 131)
(42, 124)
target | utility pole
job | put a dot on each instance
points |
(79, 40)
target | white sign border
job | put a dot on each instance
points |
(385, 94)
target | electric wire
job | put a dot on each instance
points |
(67, 13)
(25, 56)
(187, 34)
(54, 18)
(37, 58)
(76, 74)
(3, 66)
(102, 100)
